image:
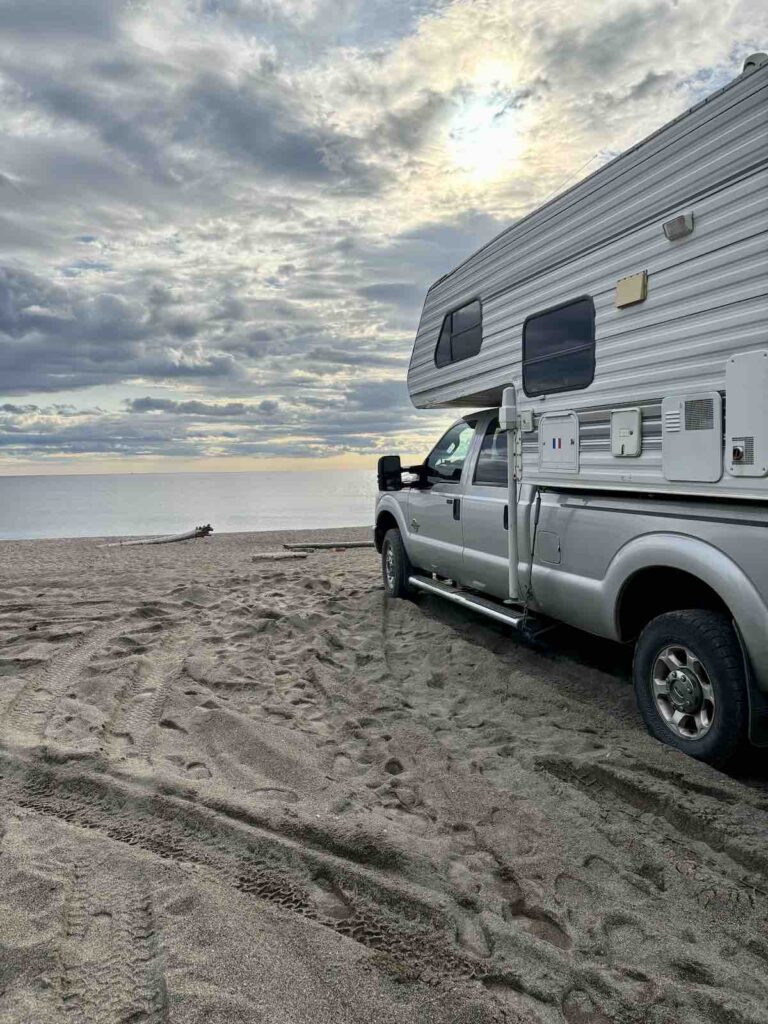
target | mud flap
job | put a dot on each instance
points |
(758, 715)
(758, 701)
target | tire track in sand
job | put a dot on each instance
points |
(409, 927)
(28, 713)
(130, 730)
(111, 963)
(722, 869)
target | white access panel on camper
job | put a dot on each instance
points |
(692, 437)
(746, 413)
(559, 442)
(626, 433)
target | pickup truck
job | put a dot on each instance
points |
(685, 582)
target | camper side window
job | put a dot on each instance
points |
(559, 348)
(461, 335)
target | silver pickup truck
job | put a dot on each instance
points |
(685, 581)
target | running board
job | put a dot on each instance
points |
(531, 627)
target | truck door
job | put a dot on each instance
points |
(484, 516)
(435, 537)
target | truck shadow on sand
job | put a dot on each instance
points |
(605, 663)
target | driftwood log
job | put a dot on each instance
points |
(277, 556)
(199, 531)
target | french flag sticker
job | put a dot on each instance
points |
(557, 442)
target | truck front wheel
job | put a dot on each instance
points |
(690, 684)
(395, 565)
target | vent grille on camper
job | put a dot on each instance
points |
(692, 441)
(747, 445)
(699, 414)
(672, 420)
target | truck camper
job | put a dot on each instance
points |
(617, 341)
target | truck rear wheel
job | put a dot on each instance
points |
(690, 684)
(395, 566)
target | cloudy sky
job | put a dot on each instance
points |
(218, 218)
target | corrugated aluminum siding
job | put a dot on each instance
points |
(707, 293)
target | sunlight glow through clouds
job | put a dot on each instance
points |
(485, 137)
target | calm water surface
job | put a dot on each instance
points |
(151, 504)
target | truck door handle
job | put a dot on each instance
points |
(456, 502)
(506, 517)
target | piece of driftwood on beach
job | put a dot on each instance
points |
(277, 556)
(330, 545)
(199, 531)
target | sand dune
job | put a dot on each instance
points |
(251, 791)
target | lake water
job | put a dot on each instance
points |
(134, 504)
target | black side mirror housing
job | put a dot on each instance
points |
(390, 473)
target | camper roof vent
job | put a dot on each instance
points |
(753, 62)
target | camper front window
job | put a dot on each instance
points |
(559, 348)
(461, 334)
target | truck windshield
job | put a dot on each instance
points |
(446, 459)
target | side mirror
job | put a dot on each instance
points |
(390, 473)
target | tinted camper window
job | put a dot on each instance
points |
(559, 348)
(461, 335)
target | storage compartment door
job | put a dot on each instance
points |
(746, 414)
(559, 443)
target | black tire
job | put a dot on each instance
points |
(396, 574)
(718, 728)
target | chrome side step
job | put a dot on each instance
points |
(482, 604)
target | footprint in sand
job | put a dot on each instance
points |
(471, 935)
(580, 1008)
(535, 920)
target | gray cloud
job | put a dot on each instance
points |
(45, 19)
(250, 123)
(192, 407)
(358, 418)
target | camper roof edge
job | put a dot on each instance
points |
(746, 72)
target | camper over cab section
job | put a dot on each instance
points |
(630, 313)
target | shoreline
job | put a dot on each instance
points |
(321, 533)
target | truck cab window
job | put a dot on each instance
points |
(491, 469)
(559, 348)
(446, 460)
(461, 334)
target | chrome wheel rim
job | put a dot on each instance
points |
(683, 693)
(389, 567)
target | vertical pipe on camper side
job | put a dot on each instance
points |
(508, 421)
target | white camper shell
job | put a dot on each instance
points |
(630, 313)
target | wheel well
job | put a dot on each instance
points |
(653, 591)
(386, 521)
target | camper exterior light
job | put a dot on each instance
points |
(678, 227)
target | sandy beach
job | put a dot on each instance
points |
(256, 791)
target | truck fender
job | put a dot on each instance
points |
(386, 508)
(711, 566)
